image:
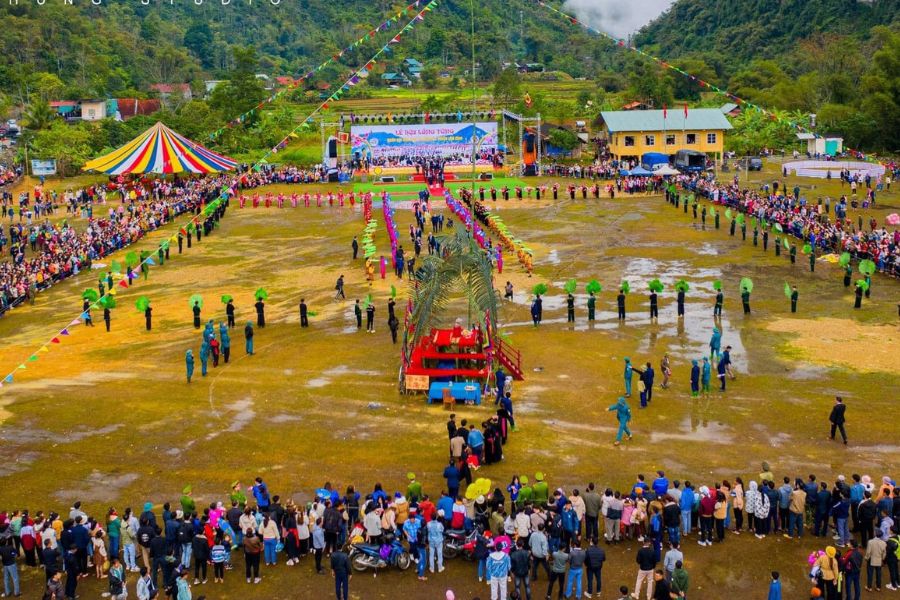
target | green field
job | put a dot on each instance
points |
(406, 188)
(108, 418)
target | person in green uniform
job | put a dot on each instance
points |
(777, 246)
(703, 216)
(743, 231)
(812, 260)
(859, 295)
(848, 274)
(526, 493)
(793, 253)
(868, 285)
(591, 306)
(541, 490)
(717, 219)
(794, 296)
(187, 501)
(238, 495)
(765, 240)
(733, 226)
(745, 300)
(414, 489)
(570, 308)
(756, 236)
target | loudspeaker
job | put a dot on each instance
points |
(332, 148)
(388, 179)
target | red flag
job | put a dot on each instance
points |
(665, 112)
(54, 340)
(685, 110)
(124, 283)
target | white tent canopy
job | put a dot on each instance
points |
(666, 170)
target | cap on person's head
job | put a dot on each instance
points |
(479, 499)
(538, 476)
(411, 476)
(830, 551)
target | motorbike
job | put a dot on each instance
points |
(457, 542)
(374, 556)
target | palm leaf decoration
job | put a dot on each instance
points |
(866, 267)
(463, 268)
(787, 244)
(393, 292)
(712, 211)
(367, 301)
(90, 294)
(779, 228)
(787, 289)
(728, 213)
(656, 286)
(740, 219)
(593, 287)
(571, 286)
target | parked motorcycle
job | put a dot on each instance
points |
(457, 542)
(374, 556)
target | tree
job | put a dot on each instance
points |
(243, 90)
(430, 77)
(462, 267)
(70, 145)
(564, 139)
(198, 38)
(39, 115)
(506, 88)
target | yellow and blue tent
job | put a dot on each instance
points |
(161, 150)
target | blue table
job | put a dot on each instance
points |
(462, 391)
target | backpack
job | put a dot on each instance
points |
(895, 542)
(115, 585)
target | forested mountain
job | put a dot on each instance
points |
(86, 50)
(739, 31)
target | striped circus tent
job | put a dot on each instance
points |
(161, 150)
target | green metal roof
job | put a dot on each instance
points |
(652, 120)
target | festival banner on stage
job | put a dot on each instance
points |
(449, 141)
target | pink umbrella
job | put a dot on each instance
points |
(893, 219)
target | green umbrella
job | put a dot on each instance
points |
(195, 299)
(746, 283)
(806, 249)
(261, 294)
(108, 302)
(625, 287)
(116, 267)
(90, 294)
(778, 228)
(571, 286)
(393, 292)
(131, 259)
(540, 289)
(786, 244)
(682, 286)
(863, 284)
(142, 303)
(593, 287)
(367, 301)
(656, 286)
(728, 213)
(717, 284)
(844, 260)
(226, 298)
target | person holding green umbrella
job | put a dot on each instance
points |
(793, 253)
(795, 295)
(745, 299)
(591, 306)
(812, 259)
(848, 275)
(196, 310)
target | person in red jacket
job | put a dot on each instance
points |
(707, 511)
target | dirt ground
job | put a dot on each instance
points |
(109, 419)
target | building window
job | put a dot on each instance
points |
(710, 138)
(670, 140)
(649, 140)
(629, 140)
(691, 138)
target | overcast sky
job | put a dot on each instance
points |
(618, 17)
